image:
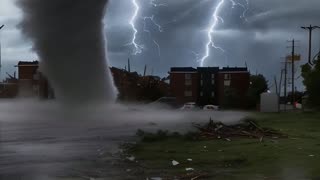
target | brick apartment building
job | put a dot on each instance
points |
(184, 84)
(233, 85)
(209, 85)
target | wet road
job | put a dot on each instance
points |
(39, 151)
(44, 141)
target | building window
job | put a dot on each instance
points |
(188, 79)
(212, 76)
(212, 94)
(188, 93)
(201, 94)
(188, 82)
(201, 82)
(212, 81)
(227, 76)
(227, 83)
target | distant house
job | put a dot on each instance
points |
(210, 85)
(27, 70)
(31, 82)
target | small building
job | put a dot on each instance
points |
(28, 78)
(269, 102)
(27, 70)
(31, 82)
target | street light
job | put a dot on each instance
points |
(310, 28)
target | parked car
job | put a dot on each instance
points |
(211, 108)
(166, 102)
(189, 106)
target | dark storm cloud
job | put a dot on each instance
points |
(260, 41)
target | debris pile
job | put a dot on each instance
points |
(192, 176)
(248, 129)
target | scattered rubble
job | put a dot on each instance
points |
(175, 163)
(192, 176)
(155, 178)
(189, 169)
(248, 129)
(131, 158)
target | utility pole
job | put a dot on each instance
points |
(129, 65)
(280, 88)
(292, 59)
(145, 71)
(276, 85)
(310, 28)
(0, 54)
(280, 83)
(285, 83)
(278, 92)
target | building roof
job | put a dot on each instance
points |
(208, 69)
(28, 63)
(183, 69)
(233, 69)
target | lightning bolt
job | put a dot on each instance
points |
(158, 46)
(153, 3)
(245, 8)
(137, 48)
(159, 27)
(211, 30)
(151, 18)
(215, 21)
(196, 55)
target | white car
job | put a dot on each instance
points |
(189, 106)
(211, 108)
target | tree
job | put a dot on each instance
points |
(311, 77)
(258, 85)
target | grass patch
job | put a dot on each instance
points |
(297, 157)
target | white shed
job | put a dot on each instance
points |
(269, 102)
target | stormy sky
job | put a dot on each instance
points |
(259, 39)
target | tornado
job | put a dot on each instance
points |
(68, 37)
